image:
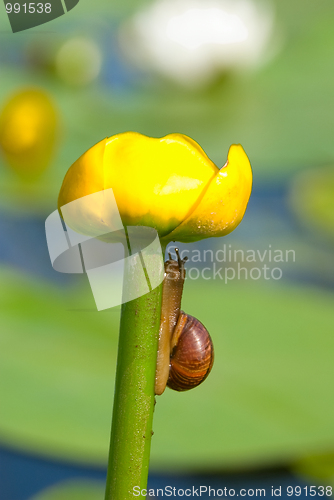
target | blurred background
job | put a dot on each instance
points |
(222, 72)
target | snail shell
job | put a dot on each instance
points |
(192, 354)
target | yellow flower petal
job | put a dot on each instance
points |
(224, 202)
(156, 182)
(83, 178)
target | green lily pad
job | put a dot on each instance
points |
(57, 365)
(73, 490)
(267, 399)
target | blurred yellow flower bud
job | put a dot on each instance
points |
(28, 127)
(169, 184)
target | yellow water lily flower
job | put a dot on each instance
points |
(166, 183)
(28, 128)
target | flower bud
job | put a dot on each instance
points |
(167, 183)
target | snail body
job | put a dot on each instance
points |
(185, 349)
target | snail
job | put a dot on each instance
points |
(185, 349)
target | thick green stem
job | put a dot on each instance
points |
(131, 431)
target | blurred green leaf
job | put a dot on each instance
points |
(73, 490)
(267, 400)
(58, 357)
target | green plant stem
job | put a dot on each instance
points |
(134, 400)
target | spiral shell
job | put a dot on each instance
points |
(192, 354)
